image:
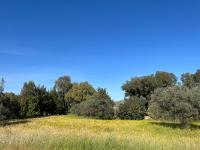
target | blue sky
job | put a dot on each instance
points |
(105, 42)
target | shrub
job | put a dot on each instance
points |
(132, 109)
(175, 104)
(94, 108)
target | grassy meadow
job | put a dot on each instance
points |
(78, 133)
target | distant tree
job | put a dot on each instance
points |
(79, 93)
(4, 109)
(46, 103)
(165, 79)
(99, 106)
(102, 94)
(62, 86)
(56, 103)
(94, 108)
(9, 107)
(175, 104)
(14, 106)
(2, 85)
(191, 80)
(195, 102)
(187, 80)
(29, 100)
(140, 86)
(133, 108)
(145, 86)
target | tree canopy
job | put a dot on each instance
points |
(175, 104)
(133, 108)
(191, 80)
(144, 86)
(80, 92)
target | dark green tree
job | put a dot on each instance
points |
(9, 106)
(133, 108)
(46, 103)
(145, 86)
(102, 94)
(29, 101)
(140, 86)
(57, 103)
(4, 110)
(14, 106)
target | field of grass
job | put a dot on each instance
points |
(77, 133)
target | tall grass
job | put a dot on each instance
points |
(76, 133)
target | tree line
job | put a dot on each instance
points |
(161, 97)
(158, 95)
(65, 97)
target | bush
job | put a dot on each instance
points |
(175, 104)
(94, 108)
(132, 109)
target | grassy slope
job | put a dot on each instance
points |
(76, 133)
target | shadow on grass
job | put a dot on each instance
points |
(176, 125)
(13, 122)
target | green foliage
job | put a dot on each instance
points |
(144, 86)
(57, 105)
(4, 108)
(164, 79)
(14, 106)
(46, 103)
(195, 102)
(133, 108)
(94, 108)
(139, 86)
(35, 101)
(99, 106)
(29, 100)
(168, 102)
(9, 106)
(102, 94)
(63, 84)
(79, 93)
(175, 104)
(191, 80)
(62, 87)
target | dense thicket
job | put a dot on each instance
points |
(133, 108)
(191, 80)
(78, 93)
(145, 86)
(176, 104)
(9, 106)
(142, 87)
(99, 106)
(35, 101)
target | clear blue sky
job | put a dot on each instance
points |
(105, 42)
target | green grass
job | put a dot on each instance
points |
(78, 133)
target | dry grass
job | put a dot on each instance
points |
(77, 133)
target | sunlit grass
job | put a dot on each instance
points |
(78, 133)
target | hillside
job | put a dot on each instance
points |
(78, 133)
